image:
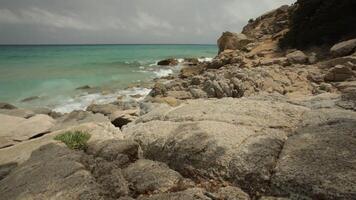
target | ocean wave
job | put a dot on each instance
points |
(205, 59)
(82, 102)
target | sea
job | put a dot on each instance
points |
(50, 75)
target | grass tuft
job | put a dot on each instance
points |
(75, 140)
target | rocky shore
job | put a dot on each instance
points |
(257, 122)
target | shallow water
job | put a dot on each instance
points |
(53, 72)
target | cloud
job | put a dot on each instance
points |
(39, 16)
(125, 21)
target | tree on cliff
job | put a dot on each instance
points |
(317, 22)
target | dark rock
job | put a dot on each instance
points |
(85, 87)
(7, 106)
(343, 48)
(339, 73)
(30, 99)
(168, 62)
(6, 169)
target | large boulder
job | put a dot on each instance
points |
(20, 152)
(297, 57)
(16, 129)
(234, 139)
(343, 48)
(52, 172)
(318, 162)
(233, 41)
(339, 73)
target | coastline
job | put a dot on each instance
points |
(255, 122)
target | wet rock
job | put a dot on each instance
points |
(84, 87)
(168, 62)
(7, 106)
(344, 48)
(30, 99)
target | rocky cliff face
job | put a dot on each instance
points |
(257, 122)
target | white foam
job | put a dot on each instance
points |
(163, 72)
(82, 102)
(205, 59)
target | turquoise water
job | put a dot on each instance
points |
(53, 72)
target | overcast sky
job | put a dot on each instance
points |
(125, 21)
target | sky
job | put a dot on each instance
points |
(125, 21)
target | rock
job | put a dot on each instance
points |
(6, 169)
(318, 160)
(198, 93)
(339, 73)
(46, 111)
(171, 101)
(190, 194)
(297, 57)
(105, 109)
(76, 118)
(182, 95)
(191, 61)
(7, 106)
(18, 113)
(234, 139)
(30, 99)
(15, 129)
(348, 99)
(312, 59)
(151, 177)
(190, 71)
(122, 152)
(158, 89)
(52, 172)
(120, 120)
(168, 62)
(84, 87)
(338, 61)
(20, 152)
(233, 41)
(344, 48)
(232, 193)
(197, 80)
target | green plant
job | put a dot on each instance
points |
(76, 140)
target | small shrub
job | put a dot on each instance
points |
(76, 140)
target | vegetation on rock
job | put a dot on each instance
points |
(319, 22)
(76, 140)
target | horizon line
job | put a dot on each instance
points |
(93, 44)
